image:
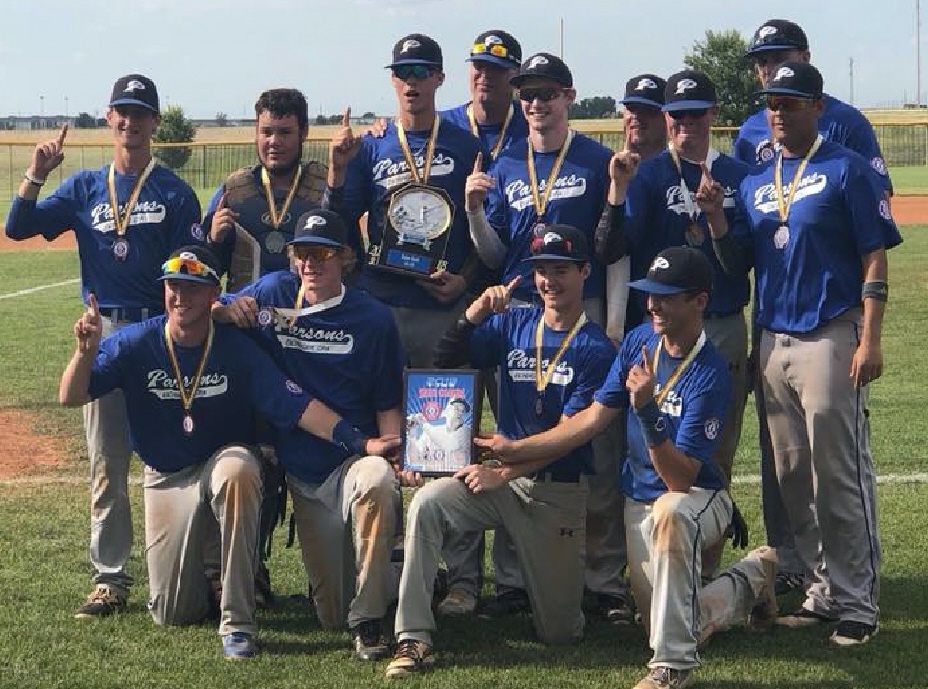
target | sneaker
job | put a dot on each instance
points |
(458, 602)
(103, 601)
(369, 643)
(803, 618)
(764, 613)
(616, 609)
(238, 646)
(852, 633)
(411, 657)
(665, 678)
(512, 602)
(787, 582)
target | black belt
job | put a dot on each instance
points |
(548, 477)
(714, 316)
(131, 314)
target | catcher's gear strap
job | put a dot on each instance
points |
(242, 184)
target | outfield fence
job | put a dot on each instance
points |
(904, 145)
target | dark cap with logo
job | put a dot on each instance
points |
(320, 227)
(675, 270)
(544, 66)
(778, 34)
(689, 90)
(416, 49)
(559, 243)
(135, 89)
(499, 47)
(192, 263)
(796, 79)
(645, 89)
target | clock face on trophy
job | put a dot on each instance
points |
(416, 231)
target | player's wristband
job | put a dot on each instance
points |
(875, 289)
(33, 180)
(349, 437)
(653, 424)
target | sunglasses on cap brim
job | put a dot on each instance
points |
(496, 50)
(188, 266)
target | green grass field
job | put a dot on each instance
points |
(44, 571)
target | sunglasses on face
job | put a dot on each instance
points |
(407, 72)
(545, 94)
(770, 57)
(788, 104)
(683, 114)
(317, 253)
(496, 49)
(187, 266)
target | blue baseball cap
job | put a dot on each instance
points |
(559, 243)
(777, 34)
(320, 227)
(497, 47)
(416, 49)
(689, 90)
(796, 79)
(676, 270)
(645, 89)
(135, 89)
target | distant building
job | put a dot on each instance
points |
(33, 122)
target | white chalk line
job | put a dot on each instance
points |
(137, 480)
(33, 290)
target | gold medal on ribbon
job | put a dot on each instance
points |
(429, 152)
(278, 217)
(187, 395)
(659, 397)
(540, 199)
(694, 234)
(542, 379)
(502, 132)
(121, 221)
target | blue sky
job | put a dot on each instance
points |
(217, 55)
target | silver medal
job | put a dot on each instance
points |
(781, 237)
(188, 424)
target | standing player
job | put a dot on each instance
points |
(673, 387)
(366, 173)
(127, 218)
(192, 390)
(551, 360)
(556, 175)
(342, 344)
(665, 209)
(642, 117)
(819, 231)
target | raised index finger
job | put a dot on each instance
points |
(645, 361)
(478, 163)
(513, 284)
(62, 134)
(346, 118)
(705, 171)
(93, 308)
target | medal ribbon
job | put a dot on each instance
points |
(120, 220)
(187, 396)
(541, 381)
(502, 132)
(429, 152)
(688, 201)
(784, 206)
(678, 371)
(541, 201)
(277, 217)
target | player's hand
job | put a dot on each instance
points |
(241, 311)
(480, 479)
(709, 194)
(223, 221)
(495, 299)
(48, 155)
(89, 328)
(477, 186)
(378, 129)
(408, 479)
(867, 364)
(738, 529)
(623, 166)
(386, 446)
(500, 447)
(444, 286)
(344, 145)
(640, 382)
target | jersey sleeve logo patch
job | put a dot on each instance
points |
(712, 428)
(878, 164)
(265, 317)
(765, 151)
(293, 387)
(885, 212)
(196, 231)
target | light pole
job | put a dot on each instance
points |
(65, 107)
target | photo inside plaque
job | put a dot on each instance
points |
(442, 415)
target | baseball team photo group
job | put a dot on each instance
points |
(517, 399)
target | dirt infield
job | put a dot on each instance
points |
(21, 450)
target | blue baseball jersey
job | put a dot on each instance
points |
(166, 217)
(377, 171)
(238, 381)
(694, 410)
(809, 270)
(577, 199)
(348, 353)
(841, 123)
(507, 340)
(657, 218)
(489, 133)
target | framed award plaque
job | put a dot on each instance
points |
(416, 231)
(442, 409)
